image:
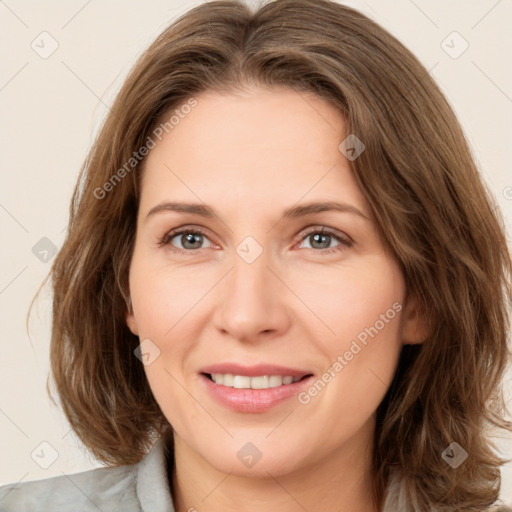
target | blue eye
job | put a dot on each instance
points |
(325, 237)
(191, 239)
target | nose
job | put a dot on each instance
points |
(252, 301)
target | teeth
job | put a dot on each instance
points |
(227, 379)
(241, 382)
(245, 382)
(274, 381)
(258, 382)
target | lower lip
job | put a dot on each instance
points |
(253, 400)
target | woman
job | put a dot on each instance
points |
(195, 314)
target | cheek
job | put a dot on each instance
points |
(168, 388)
(362, 310)
(163, 296)
(163, 302)
(352, 299)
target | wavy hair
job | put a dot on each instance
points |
(433, 210)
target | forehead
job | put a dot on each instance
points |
(258, 143)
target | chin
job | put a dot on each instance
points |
(245, 456)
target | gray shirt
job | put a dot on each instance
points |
(142, 487)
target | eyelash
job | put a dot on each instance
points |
(344, 243)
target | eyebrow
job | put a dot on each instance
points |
(293, 212)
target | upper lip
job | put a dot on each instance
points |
(255, 370)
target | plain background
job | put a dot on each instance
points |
(52, 108)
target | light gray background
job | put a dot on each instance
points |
(52, 108)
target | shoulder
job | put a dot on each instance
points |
(139, 487)
(103, 488)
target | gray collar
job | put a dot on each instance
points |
(151, 480)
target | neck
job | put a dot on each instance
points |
(343, 481)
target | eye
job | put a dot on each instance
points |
(321, 239)
(190, 239)
(187, 238)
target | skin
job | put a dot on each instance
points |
(250, 156)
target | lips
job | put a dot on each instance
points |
(250, 400)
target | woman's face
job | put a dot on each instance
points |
(260, 293)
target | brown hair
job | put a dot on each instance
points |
(433, 212)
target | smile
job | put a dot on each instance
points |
(258, 382)
(252, 389)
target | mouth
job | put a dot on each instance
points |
(254, 389)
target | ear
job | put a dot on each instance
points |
(130, 320)
(415, 324)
